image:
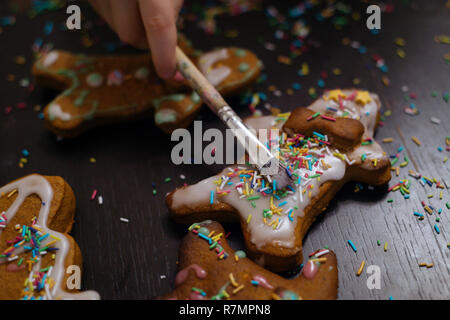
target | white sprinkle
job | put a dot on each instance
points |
(321, 253)
(162, 276)
(182, 176)
(124, 220)
(100, 200)
(13, 258)
(435, 120)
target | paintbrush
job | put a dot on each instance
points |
(260, 156)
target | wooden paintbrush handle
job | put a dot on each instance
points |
(199, 83)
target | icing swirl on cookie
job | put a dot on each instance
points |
(52, 279)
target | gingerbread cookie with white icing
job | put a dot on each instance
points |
(275, 221)
(105, 89)
(37, 256)
(210, 269)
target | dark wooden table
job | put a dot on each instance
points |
(137, 260)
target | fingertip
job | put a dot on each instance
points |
(166, 68)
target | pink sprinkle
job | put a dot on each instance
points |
(352, 96)
(21, 105)
(94, 194)
(328, 118)
(227, 235)
(8, 110)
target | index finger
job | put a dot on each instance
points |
(160, 26)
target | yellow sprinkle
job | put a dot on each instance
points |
(211, 233)
(385, 246)
(217, 237)
(275, 296)
(249, 218)
(238, 289)
(361, 267)
(440, 195)
(416, 141)
(339, 155)
(319, 260)
(236, 258)
(11, 193)
(51, 242)
(387, 140)
(225, 294)
(422, 264)
(430, 265)
(232, 280)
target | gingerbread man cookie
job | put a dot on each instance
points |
(37, 256)
(274, 221)
(106, 89)
(210, 269)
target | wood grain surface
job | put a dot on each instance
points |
(137, 260)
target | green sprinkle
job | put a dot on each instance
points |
(154, 192)
(44, 270)
(391, 200)
(253, 198)
(167, 179)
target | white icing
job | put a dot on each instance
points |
(366, 114)
(36, 184)
(50, 58)
(214, 75)
(55, 112)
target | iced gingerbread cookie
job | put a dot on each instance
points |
(104, 89)
(210, 269)
(323, 147)
(37, 256)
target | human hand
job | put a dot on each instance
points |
(145, 24)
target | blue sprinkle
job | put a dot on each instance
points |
(352, 245)
(437, 229)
